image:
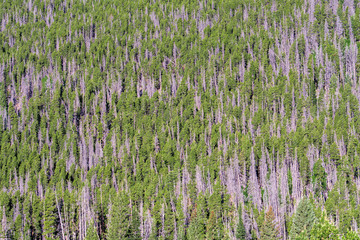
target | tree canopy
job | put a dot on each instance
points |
(161, 119)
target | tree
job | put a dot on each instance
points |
(269, 230)
(119, 219)
(324, 230)
(3, 100)
(319, 177)
(303, 220)
(240, 230)
(134, 229)
(334, 153)
(91, 233)
(352, 235)
(50, 217)
(196, 227)
(211, 227)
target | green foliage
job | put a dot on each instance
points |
(303, 220)
(269, 229)
(323, 229)
(351, 235)
(240, 229)
(319, 177)
(212, 230)
(154, 119)
(50, 215)
(196, 229)
(120, 218)
(91, 233)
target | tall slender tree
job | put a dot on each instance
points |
(120, 218)
(240, 229)
(303, 220)
(91, 233)
(269, 229)
(50, 219)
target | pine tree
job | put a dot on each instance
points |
(3, 225)
(18, 227)
(352, 235)
(3, 100)
(196, 228)
(91, 233)
(269, 230)
(211, 227)
(13, 117)
(303, 220)
(50, 217)
(134, 229)
(324, 230)
(119, 219)
(334, 153)
(240, 230)
(169, 227)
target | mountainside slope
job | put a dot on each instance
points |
(179, 119)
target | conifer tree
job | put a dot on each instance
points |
(196, 228)
(134, 229)
(119, 219)
(324, 230)
(240, 230)
(211, 227)
(91, 233)
(269, 229)
(352, 235)
(18, 230)
(50, 217)
(303, 220)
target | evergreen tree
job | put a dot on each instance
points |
(134, 229)
(351, 235)
(196, 227)
(50, 215)
(269, 229)
(120, 217)
(18, 230)
(91, 233)
(303, 220)
(324, 230)
(211, 227)
(240, 230)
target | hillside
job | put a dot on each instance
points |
(210, 119)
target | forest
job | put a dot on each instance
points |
(180, 120)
